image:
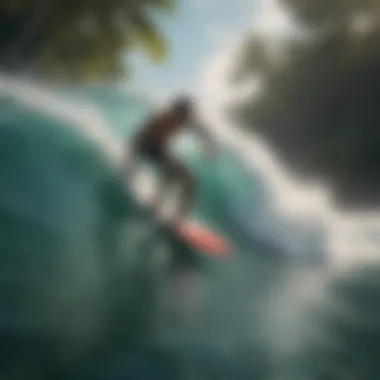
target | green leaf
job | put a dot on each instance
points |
(147, 36)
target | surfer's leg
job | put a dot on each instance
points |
(160, 193)
(159, 158)
(170, 172)
(180, 173)
(174, 171)
(188, 194)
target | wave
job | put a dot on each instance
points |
(81, 263)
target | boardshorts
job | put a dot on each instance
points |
(155, 153)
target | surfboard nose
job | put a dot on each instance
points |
(204, 240)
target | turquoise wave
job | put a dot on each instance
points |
(83, 268)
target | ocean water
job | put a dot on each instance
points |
(82, 262)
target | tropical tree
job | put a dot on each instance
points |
(318, 103)
(330, 14)
(78, 39)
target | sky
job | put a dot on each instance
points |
(197, 31)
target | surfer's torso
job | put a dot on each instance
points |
(160, 129)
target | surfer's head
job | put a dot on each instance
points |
(183, 107)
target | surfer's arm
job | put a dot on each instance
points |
(208, 140)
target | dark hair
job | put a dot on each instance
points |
(183, 104)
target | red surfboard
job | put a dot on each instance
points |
(195, 235)
(203, 239)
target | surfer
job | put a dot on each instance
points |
(152, 143)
